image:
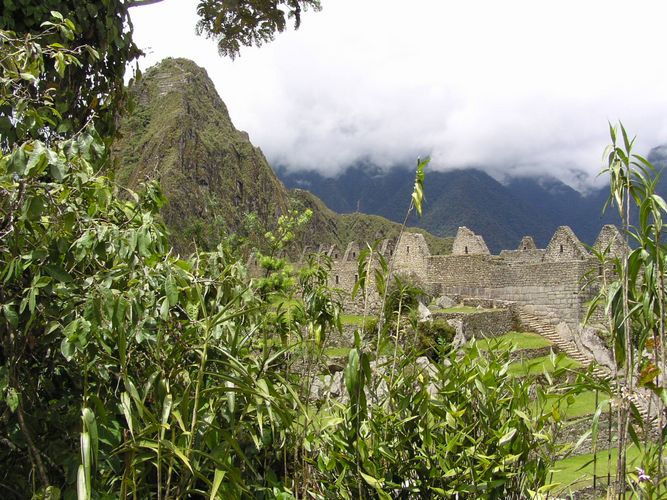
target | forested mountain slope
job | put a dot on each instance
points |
(501, 213)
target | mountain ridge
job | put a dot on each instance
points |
(501, 213)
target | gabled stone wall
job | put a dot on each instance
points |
(469, 243)
(552, 280)
(411, 255)
(611, 240)
(565, 246)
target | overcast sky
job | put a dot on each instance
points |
(515, 87)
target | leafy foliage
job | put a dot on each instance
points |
(93, 88)
(633, 295)
(248, 22)
(126, 370)
(467, 428)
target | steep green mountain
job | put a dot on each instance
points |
(501, 213)
(180, 133)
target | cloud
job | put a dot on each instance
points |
(514, 87)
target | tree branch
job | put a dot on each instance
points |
(34, 451)
(141, 3)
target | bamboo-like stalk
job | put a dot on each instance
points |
(628, 371)
(661, 332)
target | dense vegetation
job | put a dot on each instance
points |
(127, 369)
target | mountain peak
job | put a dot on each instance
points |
(215, 180)
(180, 133)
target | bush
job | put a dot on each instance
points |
(466, 429)
(404, 294)
(433, 338)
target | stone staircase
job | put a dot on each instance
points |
(546, 328)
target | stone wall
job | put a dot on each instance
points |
(611, 240)
(529, 255)
(483, 323)
(469, 243)
(552, 279)
(552, 287)
(411, 254)
(565, 246)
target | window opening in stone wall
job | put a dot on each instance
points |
(354, 254)
(336, 279)
(391, 253)
(466, 250)
(335, 256)
(525, 247)
(407, 250)
(561, 249)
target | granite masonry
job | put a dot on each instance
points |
(556, 281)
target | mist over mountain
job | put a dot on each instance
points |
(214, 178)
(501, 212)
(180, 132)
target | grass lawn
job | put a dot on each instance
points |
(460, 309)
(337, 352)
(535, 366)
(574, 473)
(584, 404)
(520, 340)
(353, 319)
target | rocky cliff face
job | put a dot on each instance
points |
(180, 133)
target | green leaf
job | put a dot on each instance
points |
(179, 453)
(37, 160)
(67, 349)
(12, 399)
(90, 425)
(164, 309)
(171, 290)
(217, 481)
(371, 480)
(57, 272)
(10, 315)
(127, 410)
(418, 191)
(86, 463)
(60, 63)
(166, 409)
(81, 490)
(351, 373)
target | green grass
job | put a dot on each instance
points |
(583, 404)
(337, 352)
(575, 473)
(520, 340)
(460, 309)
(535, 366)
(353, 319)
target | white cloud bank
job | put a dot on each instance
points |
(516, 87)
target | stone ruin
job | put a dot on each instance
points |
(553, 280)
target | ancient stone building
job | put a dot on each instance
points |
(552, 280)
(469, 243)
